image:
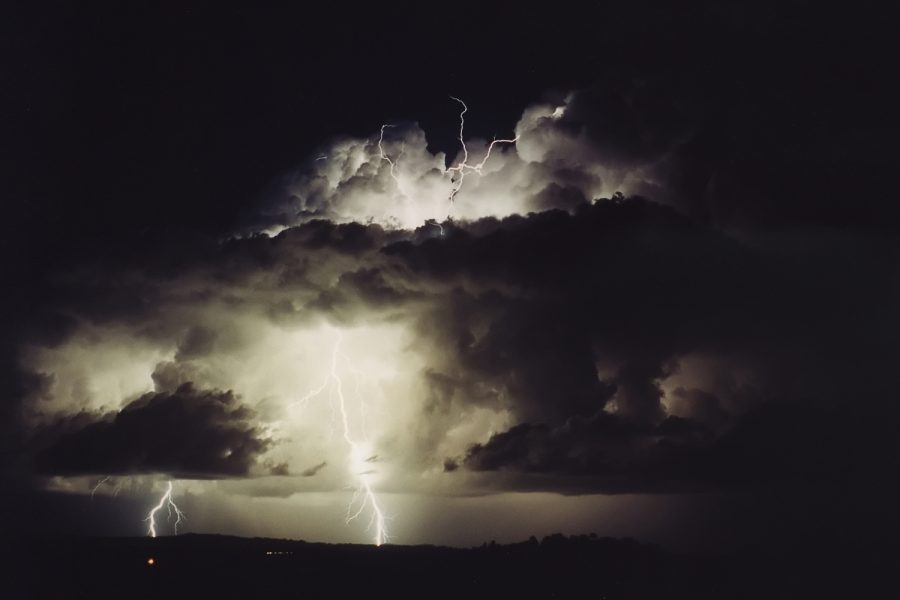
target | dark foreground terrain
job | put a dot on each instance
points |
(209, 566)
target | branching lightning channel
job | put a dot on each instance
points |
(387, 158)
(462, 167)
(364, 496)
(166, 501)
(457, 173)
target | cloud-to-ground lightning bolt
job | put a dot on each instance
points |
(462, 167)
(364, 496)
(166, 501)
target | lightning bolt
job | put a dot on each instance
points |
(99, 483)
(364, 496)
(387, 158)
(463, 166)
(166, 501)
(457, 172)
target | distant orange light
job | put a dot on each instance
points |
(151, 561)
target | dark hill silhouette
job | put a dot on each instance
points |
(214, 566)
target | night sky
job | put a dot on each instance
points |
(667, 310)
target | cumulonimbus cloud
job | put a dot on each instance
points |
(617, 347)
(566, 151)
(551, 329)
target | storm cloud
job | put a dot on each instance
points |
(618, 347)
(644, 292)
(239, 259)
(187, 433)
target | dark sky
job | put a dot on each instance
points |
(722, 333)
(182, 109)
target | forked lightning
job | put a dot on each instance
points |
(166, 501)
(364, 497)
(457, 173)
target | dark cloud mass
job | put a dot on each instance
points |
(632, 289)
(187, 432)
(635, 349)
(772, 445)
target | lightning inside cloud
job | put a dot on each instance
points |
(462, 167)
(99, 483)
(457, 172)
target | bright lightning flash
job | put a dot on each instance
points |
(387, 158)
(364, 497)
(166, 501)
(463, 166)
(457, 173)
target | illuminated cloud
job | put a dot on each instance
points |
(563, 155)
(558, 334)
(555, 351)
